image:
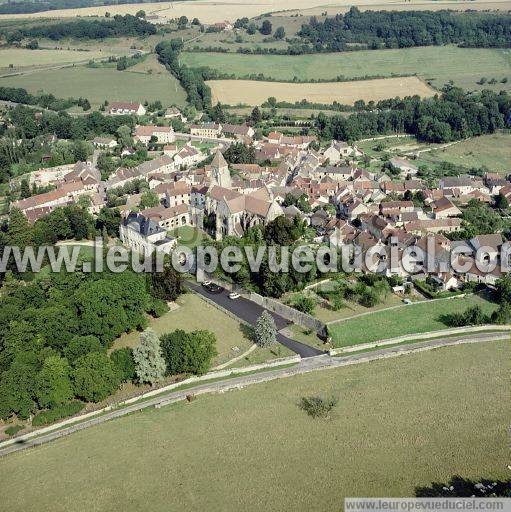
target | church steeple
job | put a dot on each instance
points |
(220, 174)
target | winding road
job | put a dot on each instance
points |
(249, 312)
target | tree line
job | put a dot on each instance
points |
(403, 29)
(453, 115)
(117, 26)
(44, 100)
(192, 79)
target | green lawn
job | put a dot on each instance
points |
(491, 151)
(410, 319)
(189, 236)
(98, 85)
(195, 313)
(465, 66)
(400, 423)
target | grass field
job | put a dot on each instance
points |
(211, 11)
(23, 59)
(234, 92)
(410, 319)
(195, 313)
(98, 85)
(189, 236)
(465, 66)
(400, 423)
(491, 151)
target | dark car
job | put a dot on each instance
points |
(214, 288)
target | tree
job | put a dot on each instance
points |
(24, 189)
(53, 382)
(124, 136)
(266, 28)
(251, 29)
(182, 22)
(265, 331)
(149, 199)
(109, 219)
(149, 362)
(281, 231)
(140, 14)
(33, 44)
(80, 346)
(188, 352)
(239, 153)
(124, 362)
(95, 377)
(17, 391)
(166, 285)
(280, 33)
(501, 202)
(256, 115)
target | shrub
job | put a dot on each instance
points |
(304, 304)
(13, 429)
(157, 308)
(188, 352)
(124, 363)
(471, 316)
(57, 413)
(317, 407)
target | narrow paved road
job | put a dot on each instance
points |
(249, 312)
(312, 364)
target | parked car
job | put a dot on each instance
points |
(213, 288)
(234, 295)
(407, 301)
(206, 284)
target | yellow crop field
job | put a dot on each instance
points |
(251, 92)
(210, 11)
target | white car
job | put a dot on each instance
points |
(206, 283)
(234, 295)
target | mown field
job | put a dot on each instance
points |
(465, 66)
(490, 151)
(20, 58)
(252, 92)
(399, 424)
(98, 85)
(409, 319)
(210, 11)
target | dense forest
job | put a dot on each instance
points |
(117, 26)
(192, 79)
(454, 115)
(402, 29)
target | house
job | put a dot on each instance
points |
(339, 150)
(187, 156)
(395, 208)
(163, 164)
(104, 142)
(206, 130)
(461, 185)
(433, 226)
(168, 218)
(162, 134)
(122, 108)
(144, 235)
(298, 141)
(443, 208)
(238, 131)
(489, 247)
(344, 173)
(156, 20)
(170, 149)
(222, 26)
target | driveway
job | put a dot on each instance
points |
(249, 312)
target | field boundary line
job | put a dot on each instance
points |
(421, 336)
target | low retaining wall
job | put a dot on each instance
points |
(208, 376)
(289, 313)
(423, 336)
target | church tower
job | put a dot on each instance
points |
(220, 174)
